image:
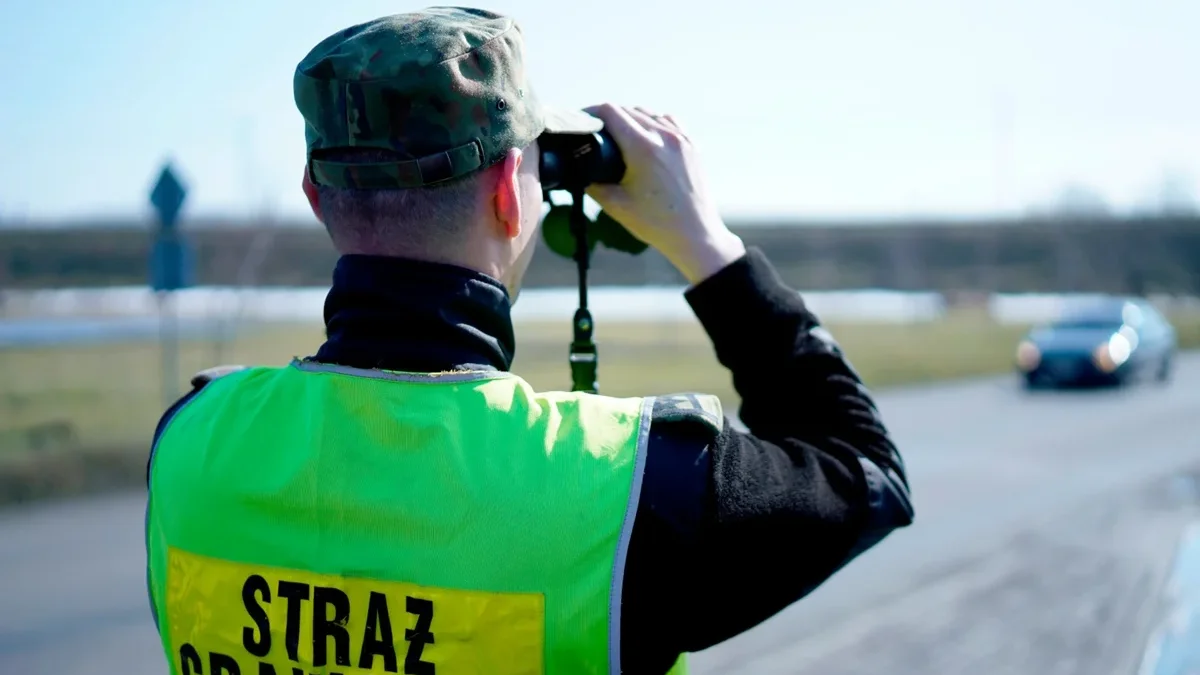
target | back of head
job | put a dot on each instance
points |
(405, 116)
(408, 222)
(402, 115)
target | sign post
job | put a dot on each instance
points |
(170, 270)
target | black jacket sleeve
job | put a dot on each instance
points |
(734, 526)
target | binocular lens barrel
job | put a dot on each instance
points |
(572, 161)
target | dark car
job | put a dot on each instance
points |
(1109, 342)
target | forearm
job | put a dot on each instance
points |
(816, 481)
(794, 381)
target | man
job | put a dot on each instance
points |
(400, 502)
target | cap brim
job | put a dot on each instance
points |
(564, 121)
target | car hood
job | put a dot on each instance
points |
(1070, 339)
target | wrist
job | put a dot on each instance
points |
(701, 259)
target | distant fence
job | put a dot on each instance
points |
(1117, 255)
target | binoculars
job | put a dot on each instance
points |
(576, 160)
(571, 162)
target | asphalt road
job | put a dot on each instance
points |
(1046, 525)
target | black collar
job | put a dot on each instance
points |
(415, 316)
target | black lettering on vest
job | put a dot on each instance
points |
(325, 627)
(189, 658)
(266, 669)
(220, 664)
(418, 637)
(295, 593)
(378, 620)
(256, 585)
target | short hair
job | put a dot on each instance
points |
(401, 220)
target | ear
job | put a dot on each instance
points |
(310, 191)
(506, 197)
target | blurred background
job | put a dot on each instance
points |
(982, 202)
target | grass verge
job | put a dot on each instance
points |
(80, 419)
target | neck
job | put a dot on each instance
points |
(415, 316)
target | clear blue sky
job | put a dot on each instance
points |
(800, 107)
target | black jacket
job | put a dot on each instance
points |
(773, 512)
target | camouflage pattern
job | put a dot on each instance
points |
(444, 87)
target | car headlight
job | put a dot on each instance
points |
(1110, 355)
(1028, 355)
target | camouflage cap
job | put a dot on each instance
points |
(445, 88)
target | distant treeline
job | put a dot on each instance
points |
(1142, 255)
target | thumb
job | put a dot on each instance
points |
(609, 197)
(606, 192)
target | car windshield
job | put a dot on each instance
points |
(1104, 317)
(1087, 323)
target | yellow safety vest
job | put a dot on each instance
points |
(318, 519)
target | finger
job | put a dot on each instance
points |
(664, 132)
(607, 196)
(669, 120)
(646, 111)
(660, 132)
(651, 120)
(646, 122)
(623, 127)
(663, 124)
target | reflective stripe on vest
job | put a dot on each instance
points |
(321, 519)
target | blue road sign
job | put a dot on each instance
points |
(167, 198)
(170, 270)
(171, 264)
(170, 258)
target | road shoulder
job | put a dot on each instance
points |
(1079, 593)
